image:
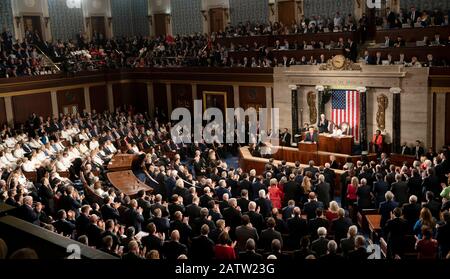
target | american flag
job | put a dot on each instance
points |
(345, 108)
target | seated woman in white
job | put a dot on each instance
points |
(35, 143)
(93, 144)
(84, 150)
(98, 189)
(336, 132)
(83, 136)
(10, 156)
(73, 153)
(18, 152)
(60, 166)
(40, 156)
(10, 142)
(28, 165)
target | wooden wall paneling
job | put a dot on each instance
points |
(252, 96)
(286, 12)
(217, 88)
(99, 98)
(69, 98)
(160, 98)
(2, 111)
(182, 96)
(25, 105)
(134, 94)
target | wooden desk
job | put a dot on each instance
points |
(307, 146)
(127, 183)
(413, 34)
(398, 159)
(374, 225)
(439, 52)
(341, 145)
(121, 162)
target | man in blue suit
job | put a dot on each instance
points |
(386, 208)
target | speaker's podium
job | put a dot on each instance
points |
(308, 151)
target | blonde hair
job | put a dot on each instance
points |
(334, 207)
(306, 184)
(355, 181)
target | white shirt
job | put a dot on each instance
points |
(60, 166)
(10, 142)
(337, 133)
(93, 145)
(10, 157)
(83, 149)
(19, 153)
(28, 166)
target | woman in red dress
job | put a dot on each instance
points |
(275, 194)
(224, 249)
(351, 191)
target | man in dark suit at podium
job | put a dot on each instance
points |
(285, 138)
(311, 136)
(323, 124)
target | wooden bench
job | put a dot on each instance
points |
(373, 220)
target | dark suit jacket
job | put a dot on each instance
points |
(135, 220)
(347, 245)
(411, 212)
(379, 189)
(292, 191)
(265, 206)
(395, 230)
(340, 228)
(64, 226)
(250, 256)
(267, 236)
(323, 128)
(323, 193)
(82, 224)
(385, 210)
(243, 233)
(108, 212)
(400, 191)
(320, 246)
(316, 223)
(443, 238)
(310, 208)
(257, 220)
(298, 228)
(192, 211)
(232, 218)
(172, 250)
(28, 214)
(202, 248)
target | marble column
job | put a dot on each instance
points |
(320, 89)
(150, 99)
(9, 110)
(294, 108)
(396, 118)
(269, 105)
(109, 88)
(363, 118)
(54, 100)
(169, 99)
(87, 99)
(236, 95)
